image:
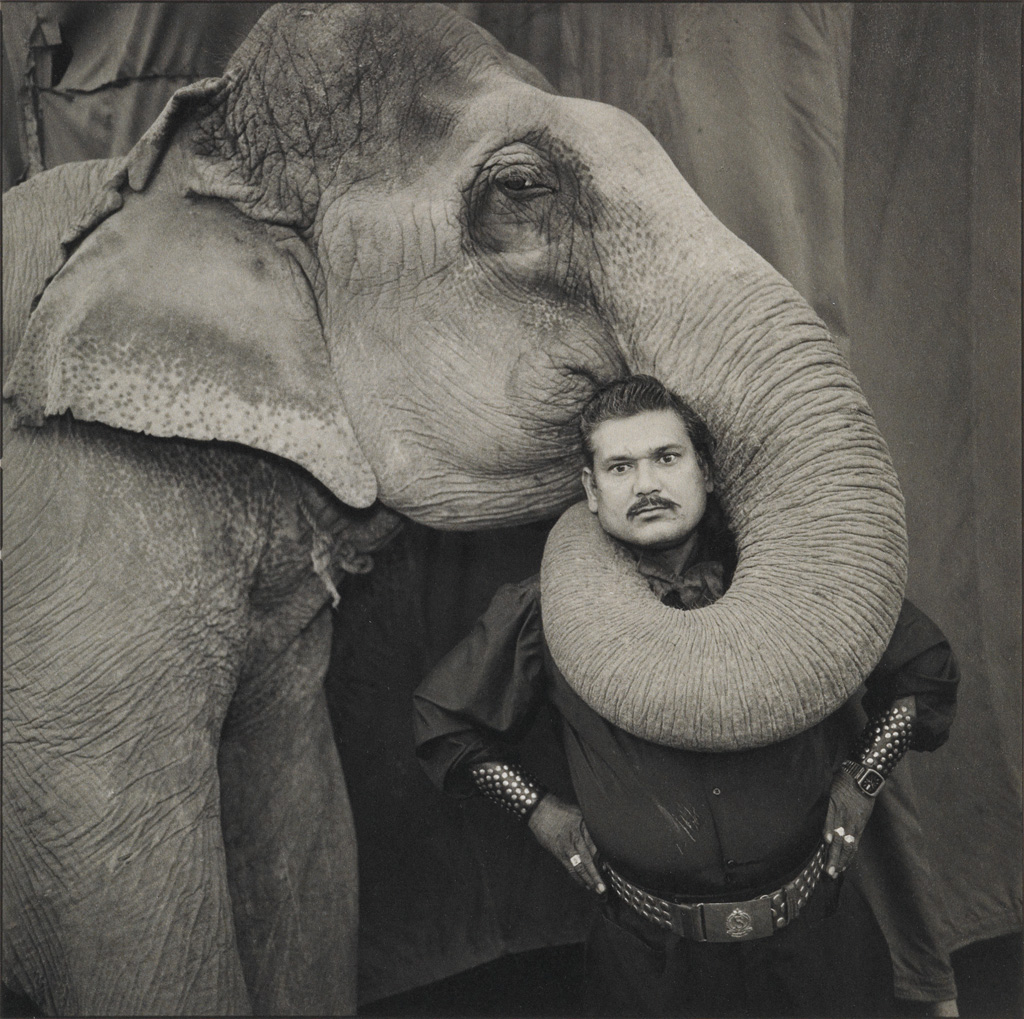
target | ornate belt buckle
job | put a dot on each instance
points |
(737, 921)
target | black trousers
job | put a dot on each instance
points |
(831, 961)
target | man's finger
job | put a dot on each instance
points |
(834, 843)
(842, 845)
(593, 879)
(833, 863)
(585, 871)
(574, 865)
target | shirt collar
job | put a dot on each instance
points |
(652, 569)
(699, 582)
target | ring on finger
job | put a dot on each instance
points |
(849, 839)
(575, 860)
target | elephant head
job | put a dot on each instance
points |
(381, 248)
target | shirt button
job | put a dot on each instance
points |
(730, 863)
(716, 791)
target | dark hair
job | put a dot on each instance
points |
(634, 395)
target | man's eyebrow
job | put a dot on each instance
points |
(614, 458)
(669, 447)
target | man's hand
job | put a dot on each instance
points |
(848, 813)
(560, 829)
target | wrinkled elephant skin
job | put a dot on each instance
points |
(373, 270)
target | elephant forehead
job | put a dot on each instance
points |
(341, 85)
(387, 49)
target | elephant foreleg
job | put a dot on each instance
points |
(121, 658)
(116, 896)
(289, 835)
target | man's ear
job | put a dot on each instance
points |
(709, 481)
(590, 487)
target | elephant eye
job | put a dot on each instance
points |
(521, 181)
(515, 206)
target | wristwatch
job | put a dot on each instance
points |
(869, 781)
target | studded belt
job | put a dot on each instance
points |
(724, 921)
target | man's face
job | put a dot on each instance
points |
(647, 486)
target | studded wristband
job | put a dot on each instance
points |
(879, 748)
(507, 786)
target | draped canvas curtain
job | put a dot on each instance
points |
(933, 263)
(83, 80)
(872, 154)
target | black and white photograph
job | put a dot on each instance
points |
(511, 509)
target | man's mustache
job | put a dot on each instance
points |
(649, 502)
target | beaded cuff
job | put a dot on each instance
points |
(885, 740)
(513, 789)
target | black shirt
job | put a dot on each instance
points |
(675, 821)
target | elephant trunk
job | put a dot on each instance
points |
(807, 485)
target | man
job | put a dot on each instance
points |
(720, 874)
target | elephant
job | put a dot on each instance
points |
(370, 273)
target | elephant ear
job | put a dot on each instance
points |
(178, 316)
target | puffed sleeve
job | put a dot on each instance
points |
(919, 662)
(477, 702)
